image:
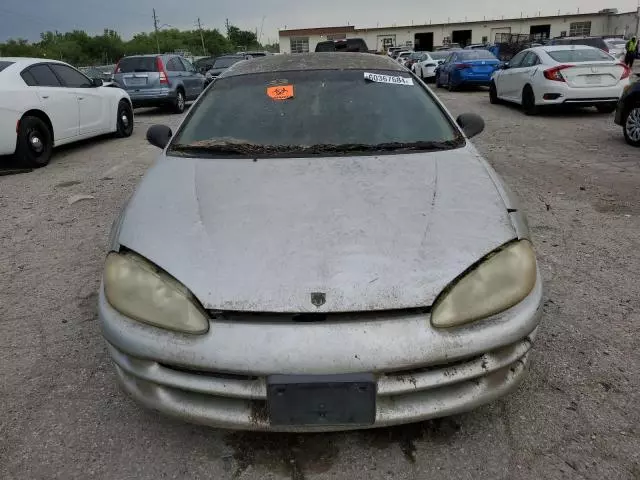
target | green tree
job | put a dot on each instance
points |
(242, 39)
(81, 49)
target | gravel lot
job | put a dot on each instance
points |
(576, 416)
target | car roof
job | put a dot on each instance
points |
(314, 61)
(26, 61)
(579, 37)
(551, 48)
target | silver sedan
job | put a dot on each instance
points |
(319, 247)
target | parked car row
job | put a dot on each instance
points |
(565, 73)
(558, 75)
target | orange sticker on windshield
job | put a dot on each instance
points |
(281, 92)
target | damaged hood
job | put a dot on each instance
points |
(371, 233)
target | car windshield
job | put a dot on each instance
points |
(315, 112)
(416, 55)
(226, 62)
(615, 43)
(137, 64)
(4, 65)
(579, 55)
(476, 55)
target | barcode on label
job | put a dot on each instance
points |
(379, 78)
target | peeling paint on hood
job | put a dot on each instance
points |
(371, 233)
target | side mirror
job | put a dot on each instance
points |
(97, 82)
(504, 66)
(159, 135)
(470, 123)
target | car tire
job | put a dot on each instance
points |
(493, 94)
(606, 108)
(180, 103)
(529, 101)
(631, 124)
(451, 87)
(124, 120)
(437, 80)
(35, 143)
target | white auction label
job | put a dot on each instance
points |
(376, 77)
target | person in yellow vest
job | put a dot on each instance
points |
(632, 51)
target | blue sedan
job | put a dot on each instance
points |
(467, 67)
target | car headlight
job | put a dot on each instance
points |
(143, 292)
(498, 282)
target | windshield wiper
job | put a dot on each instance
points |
(387, 147)
(245, 148)
(231, 146)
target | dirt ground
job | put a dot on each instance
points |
(577, 415)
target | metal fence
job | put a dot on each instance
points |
(103, 72)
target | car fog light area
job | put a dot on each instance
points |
(143, 292)
(504, 278)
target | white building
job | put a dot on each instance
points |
(426, 37)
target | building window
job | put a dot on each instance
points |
(300, 45)
(387, 42)
(580, 29)
(485, 39)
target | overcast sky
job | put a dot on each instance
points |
(27, 18)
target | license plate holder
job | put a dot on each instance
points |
(136, 81)
(316, 400)
(593, 79)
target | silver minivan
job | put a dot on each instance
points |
(159, 80)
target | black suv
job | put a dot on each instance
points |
(344, 45)
(628, 113)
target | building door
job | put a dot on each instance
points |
(540, 32)
(385, 42)
(424, 42)
(461, 37)
(498, 33)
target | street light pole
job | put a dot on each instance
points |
(204, 50)
(155, 26)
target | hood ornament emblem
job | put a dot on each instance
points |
(318, 298)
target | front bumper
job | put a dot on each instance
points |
(220, 378)
(429, 72)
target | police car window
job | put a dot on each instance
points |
(43, 76)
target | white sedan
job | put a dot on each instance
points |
(46, 103)
(562, 74)
(403, 56)
(425, 67)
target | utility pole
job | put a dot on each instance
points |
(155, 26)
(204, 50)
